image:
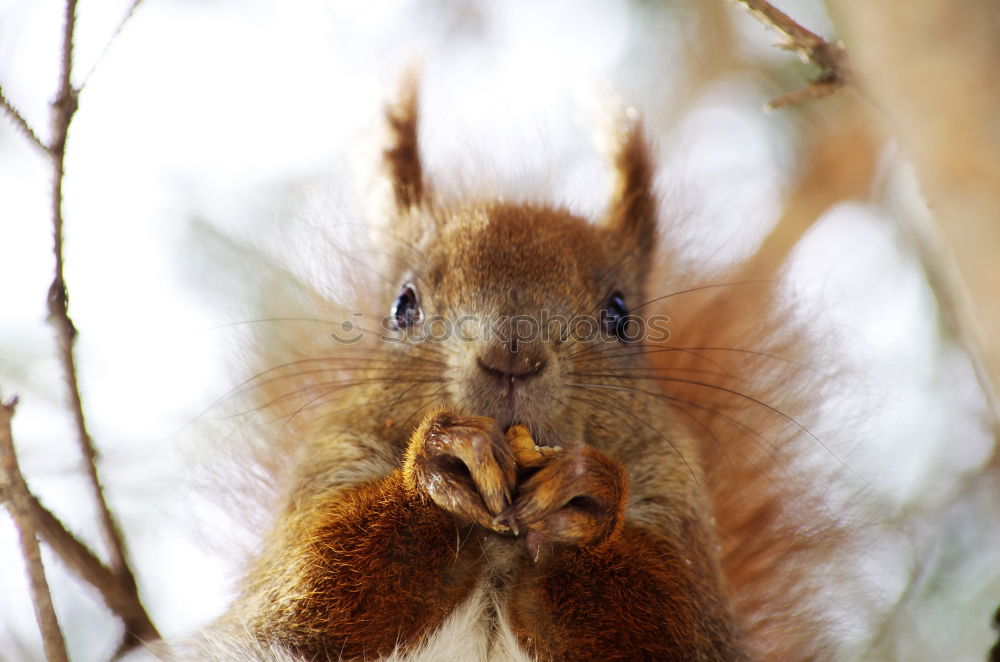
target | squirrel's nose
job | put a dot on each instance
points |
(500, 362)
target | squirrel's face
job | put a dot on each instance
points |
(515, 311)
(519, 307)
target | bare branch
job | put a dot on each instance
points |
(830, 58)
(816, 89)
(116, 584)
(64, 108)
(16, 491)
(58, 300)
(21, 123)
(114, 36)
(82, 561)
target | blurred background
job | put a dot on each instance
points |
(214, 136)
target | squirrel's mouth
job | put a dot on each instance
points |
(503, 399)
(513, 402)
(514, 388)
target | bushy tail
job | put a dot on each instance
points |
(747, 374)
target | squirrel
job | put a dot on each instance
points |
(597, 492)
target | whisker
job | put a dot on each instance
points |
(357, 326)
(638, 418)
(320, 371)
(254, 381)
(629, 424)
(320, 401)
(327, 387)
(392, 359)
(598, 353)
(763, 404)
(656, 349)
(423, 403)
(640, 372)
(732, 421)
(703, 287)
(395, 401)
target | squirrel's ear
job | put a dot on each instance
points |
(631, 214)
(401, 154)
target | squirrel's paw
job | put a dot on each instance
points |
(573, 497)
(465, 465)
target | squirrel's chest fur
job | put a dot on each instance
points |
(477, 631)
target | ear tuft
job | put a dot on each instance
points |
(401, 156)
(631, 211)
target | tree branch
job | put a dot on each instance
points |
(82, 561)
(830, 58)
(63, 111)
(116, 584)
(121, 26)
(17, 496)
(123, 599)
(21, 123)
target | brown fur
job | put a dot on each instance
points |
(638, 596)
(746, 373)
(368, 553)
(666, 507)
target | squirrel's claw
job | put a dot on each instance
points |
(465, 465)
(576, 497)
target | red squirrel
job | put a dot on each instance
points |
(605, 483)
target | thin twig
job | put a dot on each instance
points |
(107, 46)
(830, 58)
(58, 301)
(137, 622)
(116, 584)
(21, 123)
(83, 562)
(16, 492)
(816, 89)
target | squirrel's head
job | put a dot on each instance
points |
(520, 312)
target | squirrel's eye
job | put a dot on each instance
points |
(406, 310)
(615, 318)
